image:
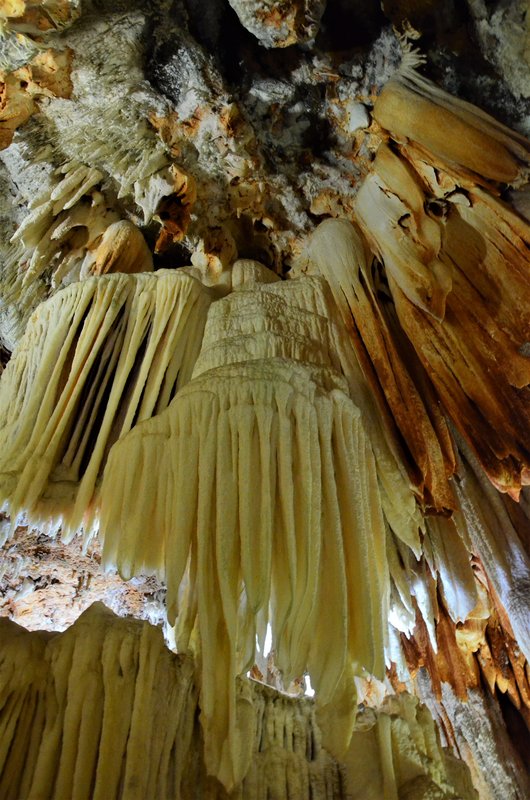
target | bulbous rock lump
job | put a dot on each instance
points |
(280, 24)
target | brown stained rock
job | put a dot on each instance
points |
(174, 210)
(244, 191)
(478, 653)
(36, 18)
(400, 387)
(46, 584)
(456, 262)
(51, 72)
(12, 8)
(16, 104)
(47, 75)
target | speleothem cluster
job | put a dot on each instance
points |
(313, 433)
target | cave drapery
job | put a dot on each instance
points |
(291, 397)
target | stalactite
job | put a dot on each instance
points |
(339, 253)
(71, 232)
(265, 401)
(96, 358)
(456, 261)
(80, 709)
(318, 448)
(449, 132)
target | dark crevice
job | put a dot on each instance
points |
(348, 26)
(516, 726)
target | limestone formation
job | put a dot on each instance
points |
(280, 24)
(264, 328)
(82, 708)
